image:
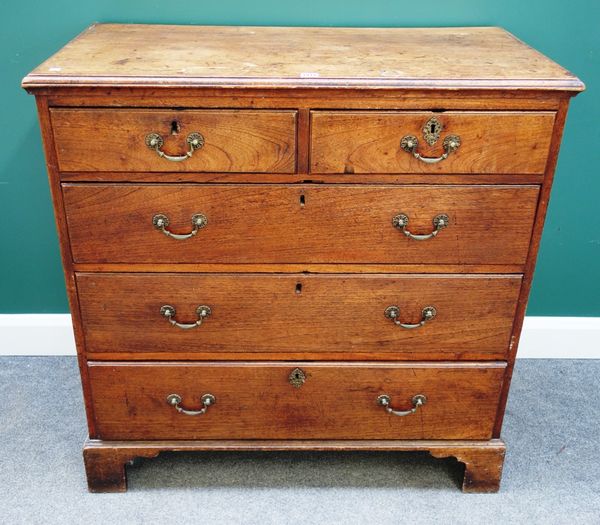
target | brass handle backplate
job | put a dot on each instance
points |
(161, 222)
(431, 133)
(427, 314)
(417, 401)
(440, 222)
(207, 400)
(194, 141)
(169, 312)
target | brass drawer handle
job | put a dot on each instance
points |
(207, 400)
(169, 312)
(410, 143)
(427, 314)
(161, 222)
(417, 401)
(194, 141)
(440, 222)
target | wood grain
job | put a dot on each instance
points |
(235, 140)
(105, 460)
(276, 125)
(305, 268)
(257, 401)
(531, 259)
(300, 313)
(65, 252)
(270, 224)
(299, 178)
(430, 353)
(305, 98)
(369, 142)
(186, 56)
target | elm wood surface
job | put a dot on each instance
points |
(300, 178)
(105, 460)
(511, 78)
(308, 314)
(531, 258)
(304, 98)
(163, 55)
(305, 268)
(234, 140)
(369, 142)
(257, 401)
(300, 223)
(65, 252)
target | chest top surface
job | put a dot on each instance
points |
(211, 56)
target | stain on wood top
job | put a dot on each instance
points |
(266, 57)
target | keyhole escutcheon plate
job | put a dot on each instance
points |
(432, 130)
(297, 378)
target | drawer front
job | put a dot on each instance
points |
(300, 224)
(283, 314)
(233, 140)
(370, 142)
(255, 401)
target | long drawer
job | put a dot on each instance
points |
(290, 400)
(347, 316)
(246, 223)
(175, 140)
(391, 141)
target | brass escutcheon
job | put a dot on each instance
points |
(297, 377)
(431, 130)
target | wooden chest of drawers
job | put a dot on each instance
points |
(291, 239)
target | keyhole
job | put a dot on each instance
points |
(432, 128)
(175, 127)
(296, 375)
(302, 200)
(298, 288)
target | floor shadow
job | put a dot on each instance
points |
(256, 470)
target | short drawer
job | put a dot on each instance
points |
(258, 223)
(326, 401)
(387, 141)
(271, 315)
(191, 140)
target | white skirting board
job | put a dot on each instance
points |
(543, 337)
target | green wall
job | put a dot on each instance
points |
(567, 279)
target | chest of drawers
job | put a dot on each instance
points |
(298, 238)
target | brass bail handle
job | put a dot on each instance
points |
(194, 141)
(417, 401)
(207, 400)
(440, 222)
(410, 143)
(169, 312)
(161, 222)
(393, 314)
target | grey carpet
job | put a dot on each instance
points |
(551, 474)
